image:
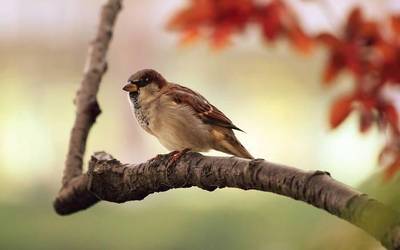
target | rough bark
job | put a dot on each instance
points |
(108, 179)
(87, 108)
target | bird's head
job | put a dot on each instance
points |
(147, 81)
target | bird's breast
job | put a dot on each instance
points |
(175, 126)
(141, 113)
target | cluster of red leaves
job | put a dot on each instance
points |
(220, 19)
(371, 54)
(368, 50)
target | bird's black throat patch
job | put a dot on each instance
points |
(134, 96)
(141, 115)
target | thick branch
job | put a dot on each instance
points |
(112, 181)
(85, 100)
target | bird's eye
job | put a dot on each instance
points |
(144, 81)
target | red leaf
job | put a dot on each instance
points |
(390, 113)
(392, 169)
(387, 155)
(390, 159)
(352, 58)
(341, 108)
(366, 120)
(395, 22)
(335, 65)
(328, 40)
(354, 23)
(300, 40)
(221, 35)
(195, 15)
(270, 20)
(387, 52)
(369, 33)
(189, 36)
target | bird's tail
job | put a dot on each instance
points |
(231, 145)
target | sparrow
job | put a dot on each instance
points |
(180, 118)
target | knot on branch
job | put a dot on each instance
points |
(106, 177)
(93, 110)
(375, 218)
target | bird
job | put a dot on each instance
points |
(180, 118)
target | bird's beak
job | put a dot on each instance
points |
(130, 87)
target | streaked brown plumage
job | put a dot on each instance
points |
(179, 117)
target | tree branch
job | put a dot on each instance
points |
(112, 181)
(86, 104)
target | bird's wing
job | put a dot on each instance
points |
(202, 108)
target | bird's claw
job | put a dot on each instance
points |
(176, 155)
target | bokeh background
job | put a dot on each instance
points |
(270, 91)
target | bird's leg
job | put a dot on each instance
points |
(176, 155)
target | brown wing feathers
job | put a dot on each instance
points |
(205, 111)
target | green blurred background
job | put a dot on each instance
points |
(270, 91)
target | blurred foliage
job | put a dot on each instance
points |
(369, 50)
